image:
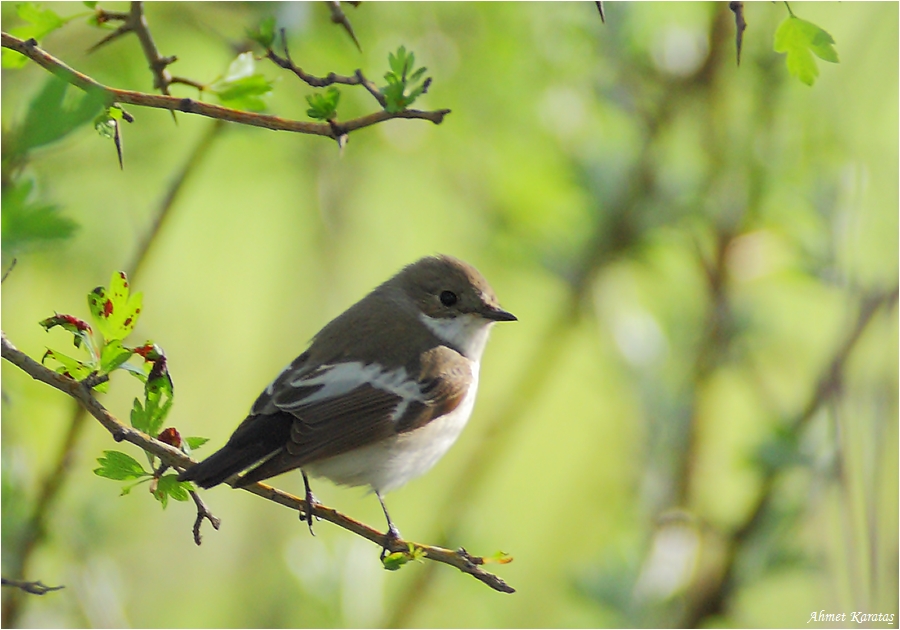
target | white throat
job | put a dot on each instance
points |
(468, 333)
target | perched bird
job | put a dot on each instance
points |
(382, 392)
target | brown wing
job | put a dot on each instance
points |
(335, 412)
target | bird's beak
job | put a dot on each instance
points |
(497, 314)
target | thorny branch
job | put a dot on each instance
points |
(33, 588)
(176, 459)
(357, 79)
(50, 487)
(332, 129)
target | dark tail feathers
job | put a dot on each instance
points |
(221, 465)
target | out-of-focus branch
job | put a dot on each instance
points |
(173, 457)
(714, 598)
(334, 130)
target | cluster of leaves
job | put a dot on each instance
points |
(323, 105)
(800, 40)
(114, 314)
(403, 86)
(393, 561)
(56, 111)
(402, 90)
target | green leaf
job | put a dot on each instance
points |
(139, 417)
(242, 88)
(27, 222)
(401, 89)
(90, 4)
(158, 398)
(194, 443)
(169, 486)
(394, 561)
(323, 105)
(115, 311)
(246, 93)
(264, 34)
(52, 115)
(119, 466)
(40, 23)
(800, 39)
(113, 355)
(73, 368)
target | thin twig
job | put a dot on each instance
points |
(202, 513)
(158, 64)
(175, 458)
(6, 273)
(34, 588)
(112, 95)
(357, 79)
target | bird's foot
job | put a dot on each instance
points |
(392, 536)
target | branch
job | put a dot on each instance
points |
(35, 588)
(177, 459)
(828, 385)
(357, 79)
(54, 479)
(333, 130)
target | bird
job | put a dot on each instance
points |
(379, 396)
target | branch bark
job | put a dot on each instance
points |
(176, 459)
(333, 130)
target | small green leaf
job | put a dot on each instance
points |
(393, 561)
(139, 417)
(245, 94)
(242, 88)
(264, 34)
(90, 4)
(113, 355)
(169, 486)
(323, 105)
(799, 39)
(73, 368)
(195, 442)
(119, 466)
(158, 398)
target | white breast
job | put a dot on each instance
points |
(389, 464)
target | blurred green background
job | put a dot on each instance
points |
(688, 246)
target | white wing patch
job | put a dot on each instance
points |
(342, 378)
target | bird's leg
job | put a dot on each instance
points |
(310, 502)
(392, 533)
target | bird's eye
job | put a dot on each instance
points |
(448, 298)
